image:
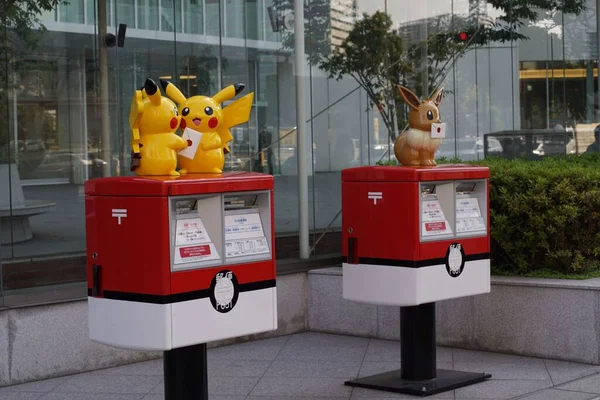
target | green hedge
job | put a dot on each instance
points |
(545, 215)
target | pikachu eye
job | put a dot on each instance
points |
(430, 115)
(185, 111)
(208, 111)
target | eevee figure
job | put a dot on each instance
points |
(416, 146)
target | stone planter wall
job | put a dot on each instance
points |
(547, 318)
(556, 319)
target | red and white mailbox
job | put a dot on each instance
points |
(175, 262)
(415, 235)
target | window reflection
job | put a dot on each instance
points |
(147, 14)
(213, 17)
(533, 96)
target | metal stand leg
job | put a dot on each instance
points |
(186, 374)
(417, 342)
(419, 375)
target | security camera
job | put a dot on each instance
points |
(110, 40)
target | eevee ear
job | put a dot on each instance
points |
(410, 98)
(437, 97)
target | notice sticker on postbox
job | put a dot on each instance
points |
(433, 220)
(192, 242)
(191, 231)
(201, 252)
(468, 215)
(244, 235)
(435, 228)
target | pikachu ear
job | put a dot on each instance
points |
(411, 99)
(152, 92)
(172, 92)
(437, 97)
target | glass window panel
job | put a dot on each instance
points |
(253, 28)
(90, 10)
(72, 12)
(198, 69)
(147, 14)
(193, 16)
(49, 112)
(170, 16)
(125, 12)
(266, 22)
(53, 120)
(213, 17)
(48, 15)
(234, 18)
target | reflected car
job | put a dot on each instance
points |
(494, 146)
(233, 163)
(64, 165)
(546, 149)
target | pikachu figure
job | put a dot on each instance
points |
(211, 124)
(153, 120)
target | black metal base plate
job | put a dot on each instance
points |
(444, 381)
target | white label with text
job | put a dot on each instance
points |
(191, 231)
(243, 226)
(467, 207)
(246, 247)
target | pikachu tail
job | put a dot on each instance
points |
(239, 111)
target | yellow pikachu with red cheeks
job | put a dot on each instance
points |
(153, 120)
(211, 123)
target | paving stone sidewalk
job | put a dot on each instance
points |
(314, 366)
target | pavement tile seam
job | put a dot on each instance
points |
(361, 365)
(526, 395)
(579, 378)
(597, 396)
(162, 382)
(270, 364)
(548, 371)
(573, 391)
(56, 389)
(521, 396)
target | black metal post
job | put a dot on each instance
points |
(418, 375)
(186, 374)
(417, 342)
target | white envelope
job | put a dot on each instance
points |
(194, 136)
(438, 130)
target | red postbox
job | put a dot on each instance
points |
(175, 262)
(413, 236)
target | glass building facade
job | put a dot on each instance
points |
(65, 101)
